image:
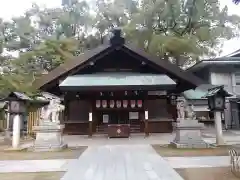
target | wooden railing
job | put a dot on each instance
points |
(33, 120)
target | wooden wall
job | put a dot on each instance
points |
(160, 118)
(158, 110)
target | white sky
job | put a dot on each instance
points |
(11, 8)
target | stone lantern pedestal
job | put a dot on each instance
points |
(49, 137)
(188, 134)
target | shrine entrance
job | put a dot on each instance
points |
(118, 117)
(113, 117)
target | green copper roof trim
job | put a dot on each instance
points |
(116, 79)
(194, 94)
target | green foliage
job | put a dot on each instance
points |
(179, 27)
(177, 30)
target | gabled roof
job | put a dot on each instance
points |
(216, 90)
(70, 65)
(166, 65)
(234, 54)
(217, 62)
(95, 54)
(198, 93)
(23, 97)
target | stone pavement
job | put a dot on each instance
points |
(35, 165)
(65, 164)
(203, 161)
(121, 162)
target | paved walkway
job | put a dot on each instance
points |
(65, 164)
(203, 161)
(121, 162)
(35, 165)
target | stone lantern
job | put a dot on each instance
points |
(16, 109)
(216, 101)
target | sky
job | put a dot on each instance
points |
(11, 8)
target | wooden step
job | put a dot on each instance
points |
(101, 129)
(134, 128)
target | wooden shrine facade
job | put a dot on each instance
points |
(119, 107)
(117, 85)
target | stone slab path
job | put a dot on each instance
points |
(65, 164)
(35, 165)
(203, 161)
(121, 162)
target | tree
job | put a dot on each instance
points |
(182, 30)
(177, 30)
(45, 39)
(47, 56)
(112, 14)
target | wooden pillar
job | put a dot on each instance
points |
(146, 130)
(66, 110)
(90, 123)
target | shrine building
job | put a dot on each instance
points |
(118, 89)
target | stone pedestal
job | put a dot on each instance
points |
(49, 137)
(188, 134)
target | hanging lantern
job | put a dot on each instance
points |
(133, 103)
(125, 103)
(139, 103)
(104, 103)
(119, 104)
(111, 103)
(98, 103)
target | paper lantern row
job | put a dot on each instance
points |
(119, 103)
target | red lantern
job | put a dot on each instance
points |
(133, 103)
(139, 103)
(104, 103)
(125, 103)
(112, 103)
(98, 103)
(119, 104)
